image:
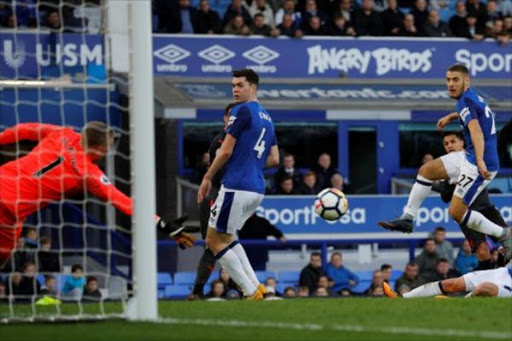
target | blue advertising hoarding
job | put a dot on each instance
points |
(295, 215)
(332, 57)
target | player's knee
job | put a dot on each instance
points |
(448, 286)
(486, 289)
(423, 171)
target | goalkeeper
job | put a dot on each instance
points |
(61, 164)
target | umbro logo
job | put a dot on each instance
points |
(260, 54)
(216, 54)
(172, 53)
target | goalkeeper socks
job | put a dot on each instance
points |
(231, 263)
(240, 253)
(419, 192)
(204, 270)
(476, 221)
(426, 290)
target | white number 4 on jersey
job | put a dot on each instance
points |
(260, 144)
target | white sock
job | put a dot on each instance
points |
(426, 290)
(476, 221)
(249, 271)
(231, 263)
(419, 192)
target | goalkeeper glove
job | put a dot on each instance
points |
(175, 230)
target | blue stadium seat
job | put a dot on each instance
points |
(163, 279)
(263, 275)
(161, 293)
(207, 288)
(361, 287)
(289, 277)
(176, 291)
(184, 278)
(213, 277)
(395, 274)
(446, 14)
(60, 280)
(365, 275)
(40, 279)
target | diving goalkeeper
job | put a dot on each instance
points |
(61, 164)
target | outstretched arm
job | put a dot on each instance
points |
(27, 131)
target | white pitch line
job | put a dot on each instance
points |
(485, 334)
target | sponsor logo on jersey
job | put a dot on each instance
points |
(261, 55)
(171, 54)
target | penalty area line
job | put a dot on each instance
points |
(484, 334)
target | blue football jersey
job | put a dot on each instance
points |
(472, 106)
(253, 129)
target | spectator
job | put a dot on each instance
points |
(434, 27)
(367, 21)
(492, 13)
(270, 282)
(442, 272)
(458, 24)
(314, 27)
(31, 238)
(444, 249)
(288, 27)
(288, 7)
(288, 170)
(309, 184)
(53, 21)
(343, 278)
(91, 292)
(261, 6)
(10, 21)
(229, 284)
(504, 38)
(506, 7)
(324, 171)
(74, 286)
(50, 286)
(29, 285)
(408, 28)
(3, 292)
(286, 187)
(420, 14)
(289, 292)
(176, 18)
(339, 27)
(303, 291)
(386, 270)
(311, 273)
(236, 9)
(439, 4)
(478, 10)
(233, 294)
(321, 292)
(466, 261)
(427, 157)
(345, 293)
(47, 260)
(217, 289)
(346, 9)
(237, 26)
(376, 287)
(380, 5)
(496, 30)
(14, 286)
(208, 22)
(338, 182)
(427, 260)
(19, 257)
(323, 282)
(259, 27)
(392, 19)
(507, 25)
(410, 279)
(312, 11)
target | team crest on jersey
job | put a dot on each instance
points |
(231, 120)
(104, 180)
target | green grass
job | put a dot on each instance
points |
(310, 319)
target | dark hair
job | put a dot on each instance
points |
(429, 240)
(228, 108)
(288, 289)
(258, 15)
(288, 155)
(28, 263)
(315, 254)
(385, 267)
(286, 178)
(456, 133)
(97, 134)
(91, 278)
(45, 240)
(310, 173)
(459, 67)
(440, 228)
(442, 260)
(336, 253)
(76, 267)
(48, 277)
(249, 74)
(412, 264)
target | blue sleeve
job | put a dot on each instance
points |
(468, 111)
(239, 122)
(353, 277)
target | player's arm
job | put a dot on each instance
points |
(27, 131)
(446, 120)
(477, 138)
(273, 157)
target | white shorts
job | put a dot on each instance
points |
(452, 162)
(232, 208)
(501, 277)
(470, 183)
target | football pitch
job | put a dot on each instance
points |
(299, 319)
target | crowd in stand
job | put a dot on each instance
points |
(472, 19)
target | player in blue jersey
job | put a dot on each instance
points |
(477, 169)
(249, 146)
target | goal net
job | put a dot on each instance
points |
(67, 63)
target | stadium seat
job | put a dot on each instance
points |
(184, 278)
(163, 279)
(40, 279)
(289, 277)
(263, 275)
(395, 274)
(446, 14)
(207, 288)
(365, 275)
(213, 277)
(176, 291)
(361, 287)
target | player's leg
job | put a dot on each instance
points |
(479, 247)
(496, 282)
(452, 285)
(428, 173)
(486, 289)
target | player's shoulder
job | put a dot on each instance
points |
(471, 98)
(241, 108)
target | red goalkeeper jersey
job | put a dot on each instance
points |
(55, 168)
